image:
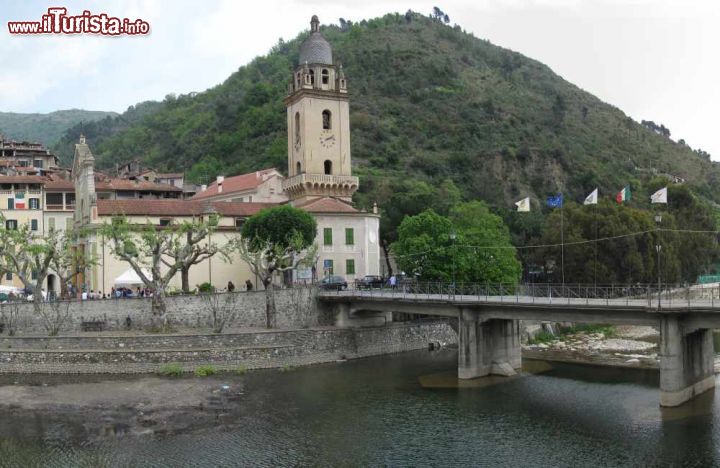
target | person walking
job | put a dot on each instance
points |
(393, 282)
(230, 286)
(248, 285)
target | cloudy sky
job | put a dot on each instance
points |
(655, 59)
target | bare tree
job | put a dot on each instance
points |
(54, 314)
(222, 309)
(9, 314)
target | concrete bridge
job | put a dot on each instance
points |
(489, 331)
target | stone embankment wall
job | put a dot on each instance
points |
(296, 308)
(249, 350)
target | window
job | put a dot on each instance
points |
(328, 167)
(327, 119)
(33, 275)
(297, 128)
(51, 222)
(298, 168)
(164, 221)
(312, 76)
(325, 76)
(34, 203)
(54, 199)
(11, 224)
(8, 276)
(38, 163)
(327, 236)
(70, 199)
(350, 266)
(239, 223)
(24, 163)
(349, 236)
(33, 224)
(11, 203)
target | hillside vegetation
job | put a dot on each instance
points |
(437, 117)
(46, 128)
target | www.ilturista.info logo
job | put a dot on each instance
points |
(57, 21)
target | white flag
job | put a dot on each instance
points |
(592, 198)
(660, 196)
(523, 205)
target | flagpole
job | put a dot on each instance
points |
(596, 243)
(562, 239)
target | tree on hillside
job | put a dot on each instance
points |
(480, 252)
(626, 258)
(158, 253)
(275, 240)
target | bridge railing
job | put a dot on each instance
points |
(648, 295)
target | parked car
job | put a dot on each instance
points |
(370, 282)
(337, 283)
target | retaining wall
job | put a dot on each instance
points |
(250, 350)
(296, 308)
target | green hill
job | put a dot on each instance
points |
(431, 106)
(46, 128)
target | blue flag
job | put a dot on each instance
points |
(555, 201)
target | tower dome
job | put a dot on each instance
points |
(315, 49)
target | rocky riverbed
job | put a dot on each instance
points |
(624, 345)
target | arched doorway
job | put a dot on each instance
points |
(328, 167)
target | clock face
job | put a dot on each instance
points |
(327, 141)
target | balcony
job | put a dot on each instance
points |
(321, 184)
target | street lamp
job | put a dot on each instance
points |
(658, 248)
(453, 236)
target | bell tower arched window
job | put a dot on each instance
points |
(297, 128)
(298, 168)
(325, 76)
(328, 167)
(327, 119)
(312, 77)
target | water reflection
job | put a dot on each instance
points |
(405, 409)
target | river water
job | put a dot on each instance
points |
(400, 410)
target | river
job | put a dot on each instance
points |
(400, 410)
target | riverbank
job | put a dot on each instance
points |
(618, 346)
(130, 353)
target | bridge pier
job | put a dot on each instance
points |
(487, 347)
(686, 362)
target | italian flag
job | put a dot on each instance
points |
(623, 195)
(19, 200)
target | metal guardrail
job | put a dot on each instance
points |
(638, 295)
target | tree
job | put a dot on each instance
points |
(30, 255)
(150, 249)
(481, 251)
(274, 240)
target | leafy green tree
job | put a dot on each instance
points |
(480, 252)
(275, 240)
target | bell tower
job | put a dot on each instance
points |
(318, 125)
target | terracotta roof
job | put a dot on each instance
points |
(58, 183)
(176, 207)
(169, 175)
(327, 205)
(21, 179)
(125, 184)
(238, 183)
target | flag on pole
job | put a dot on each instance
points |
(660, 196)
(20, 200)
(623, 195)
(555, 201)
(592, 198)
(523, 205)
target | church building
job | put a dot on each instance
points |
(319, 181)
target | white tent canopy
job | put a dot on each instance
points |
(9, 289)
(130, 278)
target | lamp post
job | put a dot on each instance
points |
(658, 248)
(453, 236)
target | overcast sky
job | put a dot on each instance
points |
(656, 60)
